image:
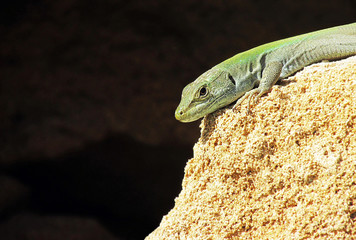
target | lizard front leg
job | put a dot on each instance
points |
(270, 76)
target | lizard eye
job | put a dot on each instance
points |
(203, 92)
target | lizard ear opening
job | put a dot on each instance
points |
(232, 79)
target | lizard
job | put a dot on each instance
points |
(250, 74)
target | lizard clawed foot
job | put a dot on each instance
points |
(250, 96)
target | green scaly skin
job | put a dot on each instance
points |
(255, 71)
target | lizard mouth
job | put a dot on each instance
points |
(199, 111)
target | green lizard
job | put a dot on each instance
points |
(261, 67)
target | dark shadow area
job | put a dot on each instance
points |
(11, 12)
(115, 181)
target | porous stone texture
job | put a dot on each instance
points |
(286, 170)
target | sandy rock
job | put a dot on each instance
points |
(285, 171)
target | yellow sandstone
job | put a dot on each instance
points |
(287, 170)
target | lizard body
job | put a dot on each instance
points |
(261, 67)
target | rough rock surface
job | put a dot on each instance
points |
(285, 171)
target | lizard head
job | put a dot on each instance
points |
(214, 89)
